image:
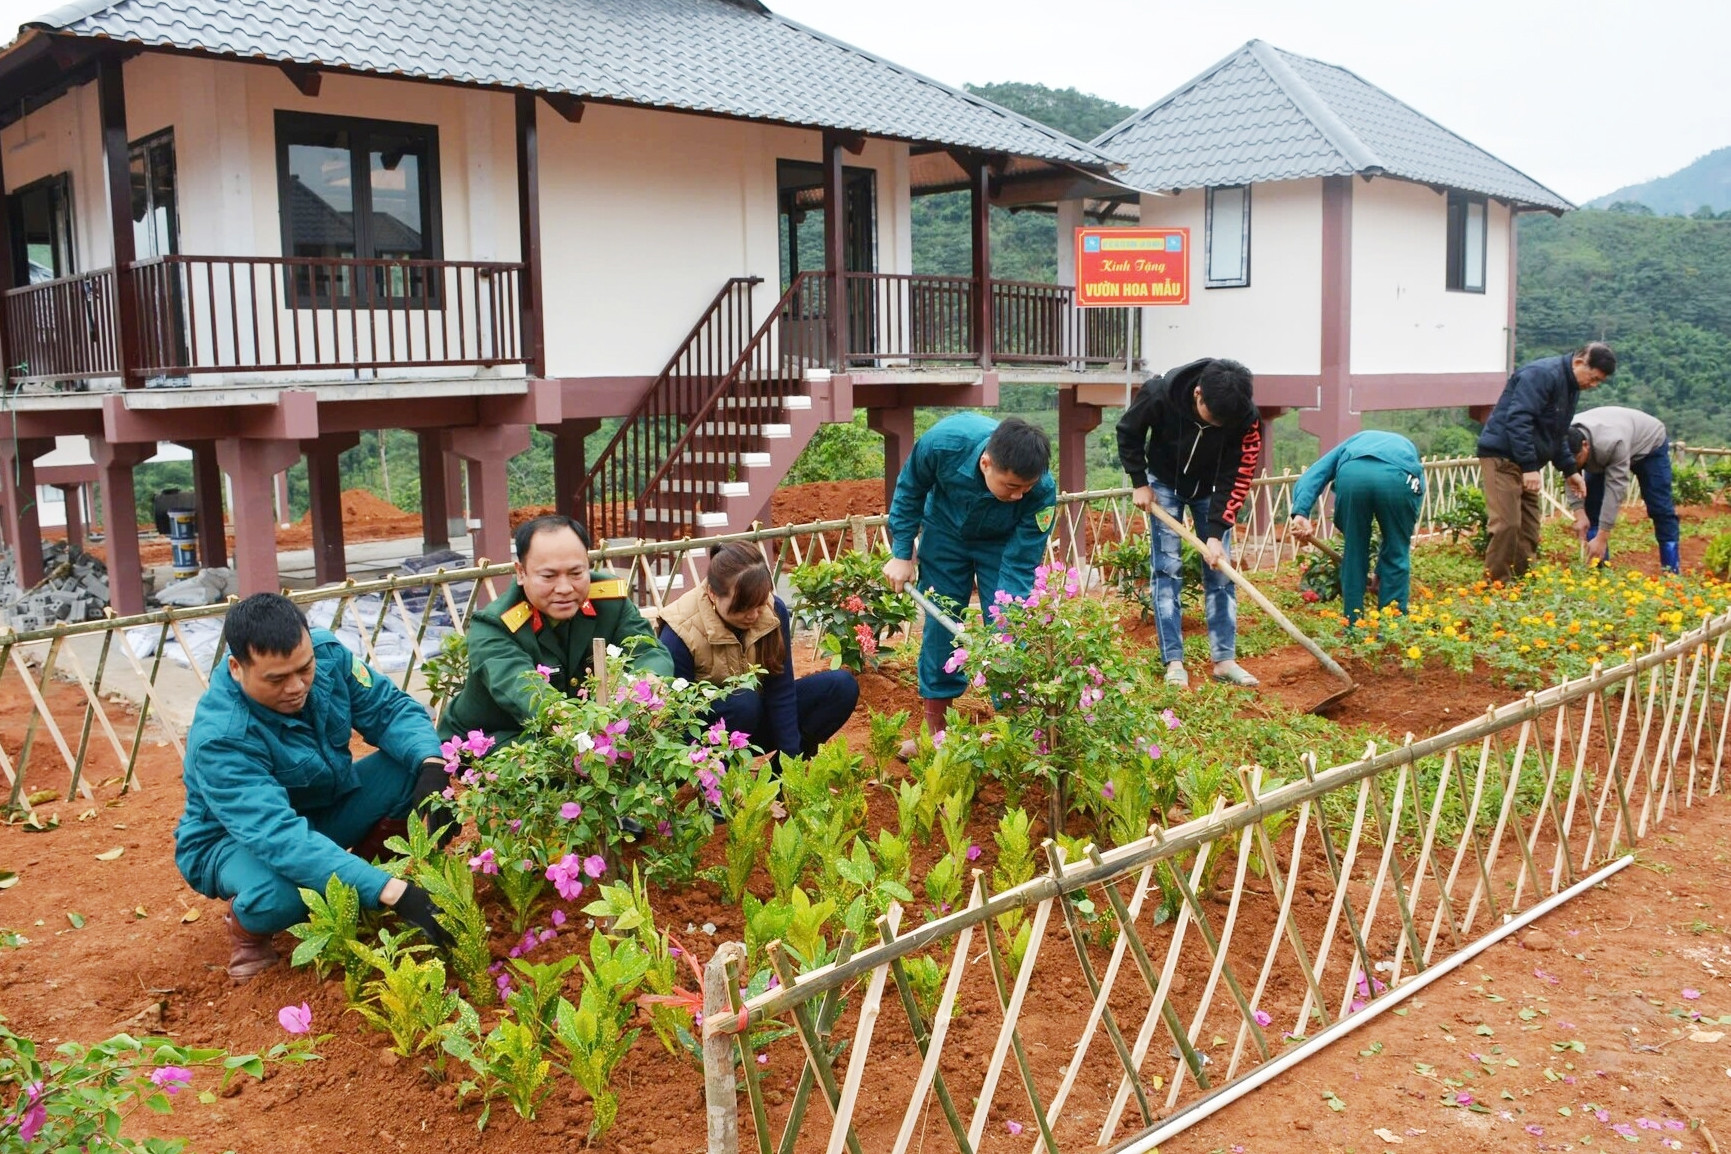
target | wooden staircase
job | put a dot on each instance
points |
(723, 422)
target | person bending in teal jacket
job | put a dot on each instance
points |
(274, 799)
(979, 496)
(1379, 478)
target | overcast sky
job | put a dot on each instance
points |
(1584, 96)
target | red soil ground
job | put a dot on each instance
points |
(1609, 970)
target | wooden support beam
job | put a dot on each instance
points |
(117, 161)
(835, 243)
(529, 236)
(304, 77)
(569, 107)
(852, 142)
(980, 197)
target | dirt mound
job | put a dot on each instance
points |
(361, 507)
(826, 501)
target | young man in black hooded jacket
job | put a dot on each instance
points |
(1192, 439)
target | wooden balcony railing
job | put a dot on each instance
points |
(202, 314)
(898, 320)
(62, 330)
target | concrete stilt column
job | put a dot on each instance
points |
(252, 466)
(325, 494)
(896, 426)
(435, 495)
(207, 490)
(486, 449)
(1075, 422)
(456, 493)
(19, 518)
(72, 500)
(570, 463)
(1329, 425)
(114, 465)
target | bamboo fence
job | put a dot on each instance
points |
(1336, 890)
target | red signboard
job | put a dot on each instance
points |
(1132, 266)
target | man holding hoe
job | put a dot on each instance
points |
(979, 496)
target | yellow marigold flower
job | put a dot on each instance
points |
(1414, 652)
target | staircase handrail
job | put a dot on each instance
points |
(659, 386)
(726, 383)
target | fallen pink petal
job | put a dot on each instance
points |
(296, 1019)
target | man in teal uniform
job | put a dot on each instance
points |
(1377, 477)
(979, 496)
(273, 796)
(547, 620)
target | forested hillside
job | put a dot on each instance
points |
(1704, 184)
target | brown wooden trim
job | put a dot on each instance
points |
(529, 234)
(1423, 390)
(117, 158)
(835, 243)
(1289, 391)
(980, 202)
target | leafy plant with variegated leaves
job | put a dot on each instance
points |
(408, 999)
(328, 936)
(593, 1033)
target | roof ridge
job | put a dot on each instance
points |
(1057, 135)
(68, 13)
(1327, 121)
(1200, 77)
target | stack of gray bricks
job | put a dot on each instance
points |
(76, 589)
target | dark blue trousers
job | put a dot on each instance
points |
(1654, 474)
(824, 700)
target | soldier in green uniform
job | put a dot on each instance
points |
(547, 620)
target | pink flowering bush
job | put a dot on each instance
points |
(1075, 710)
(847, 602)
(551, 810)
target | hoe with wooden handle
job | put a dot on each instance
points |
(1348, 685)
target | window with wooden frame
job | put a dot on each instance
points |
(41, 224)
(1226, 253)
(1466, 242)
(355, 190)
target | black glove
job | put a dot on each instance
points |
(418, 908)
(428, 800)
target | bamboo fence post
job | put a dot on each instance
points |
(817, 1055)
(1008, 1038)
(1340, 870)
(1160, 1009)
(1639, 760)
(828, 1010)
(1483, 886)
(1427, 857)
(1682, 725)
(1368, 968)
(598, 665)
(1100, 1011)
(39, 700)
(191, 661)
(1511, 793)
(1576, 781)
(1283, 923)
(1662, 759)
(720, 1090)
(1388, 821)
(148, 680)
(742, 1052)
(868, 1020)
(931, 1048)
(93, 710)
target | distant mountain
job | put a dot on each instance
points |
(1705, 182)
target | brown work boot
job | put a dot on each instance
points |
(935, 708)
(372, 846)
(250, 954)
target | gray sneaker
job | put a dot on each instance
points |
(1235, 674)
(1177, 675)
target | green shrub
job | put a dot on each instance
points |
(848, 602)
(1467, 517)
(1718, 558)
(1692, 486)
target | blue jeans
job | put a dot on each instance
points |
(1219, 595)
(1654, 474)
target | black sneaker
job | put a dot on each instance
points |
(631, 827)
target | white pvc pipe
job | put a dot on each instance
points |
(1146, 1142)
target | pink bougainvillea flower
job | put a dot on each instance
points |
(1625, 1130)
(171, 1078)
(1263, 1018)
(548, 935)
(738, 739)
(1014, 1127)
(565, 874)
(1107, 792)
(1463, 1099)
(957, 659)
(1602, 1115)
(973, 853)
(1691, 995)
(33, 1113)
(1544, 977)
(698, 755)
(570, 811)
(484, 863)
(763, 1059)
(664, 827)
(1535, 1131)
(617, 728)
(546, 672)
(1648, 1124)
(716, 734)
(296, 1019)
(594, 865)
(1170, 718)
(478, 743)
(1675, 1124)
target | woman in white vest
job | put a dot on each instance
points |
(734, 621)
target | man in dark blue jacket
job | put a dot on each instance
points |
(274, 799)
(979, 496)
(1526, 429)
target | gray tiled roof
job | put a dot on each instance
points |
(731, 57)
(1264, 115)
